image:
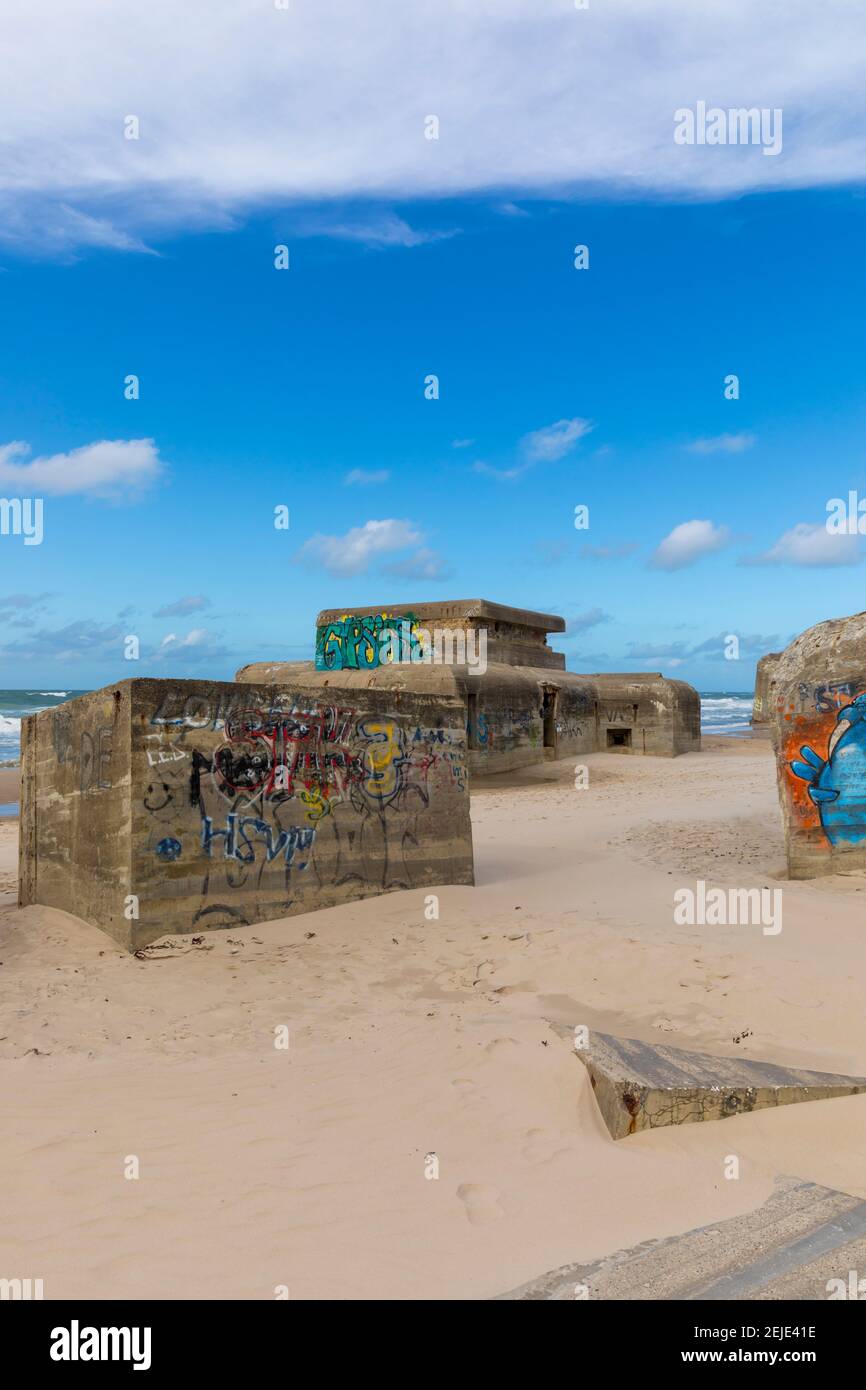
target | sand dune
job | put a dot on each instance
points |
(261, 1167)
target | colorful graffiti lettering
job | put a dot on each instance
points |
(384, 757)
(837, 784)
(356, 644)
(295, 788)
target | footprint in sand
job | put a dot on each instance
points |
(481, 1202)
(543, 1144)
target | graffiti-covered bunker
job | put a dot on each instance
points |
(818, 728)
(521, 705)
(164, 806)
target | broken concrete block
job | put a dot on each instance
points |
(804, 1242)
(158, 806)
(641, 1086)
(764, 701)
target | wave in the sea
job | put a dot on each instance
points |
(725, 713)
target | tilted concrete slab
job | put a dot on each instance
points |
(804, 1243)
(642, 1086)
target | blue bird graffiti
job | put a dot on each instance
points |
(837, 783)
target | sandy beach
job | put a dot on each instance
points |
(305, 1167)
(10, 780)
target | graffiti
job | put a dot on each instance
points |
(818, 699)
(61, 731)
(295, 798)
(355, 644)
(836, 784)
(95, 759)
(281, 754)
(384, 758)
(169, 849)
(155, 757)
(158, 796)
(238, 845)
(625, 714)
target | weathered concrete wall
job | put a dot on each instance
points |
(819, 738)
(764, 702)
(516, 716)
(505, 717)
(74, 847)
(647, 714)
(218, 804)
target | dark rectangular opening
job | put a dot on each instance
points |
(471, 721)
(619, 738)
(548, 715)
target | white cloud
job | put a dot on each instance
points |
(553, 442)
(424, 564)
(547, 445)
(249, 104)
(196, 637)
(353, 553)
(197, 648)
(376, 230)
(362, 477)
(504, 475)
(812, 547)
(687, 543)
(722, 444)
(111, 468)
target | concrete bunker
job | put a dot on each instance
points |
(522, 706)
(818, 730)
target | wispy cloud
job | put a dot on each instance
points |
(811, 547)
(656, 651)
(192, 603)
(548, 553)
(546, 445)
(363, 477)
(194, 648)
(376, 229)
(722, 444)
(687, 543)
(553, 442)
(17, 603)
(581, 622)
(750, 644)
(424, 564)
(352, 553)
(608, 552)
(112, 468)
(76, 641)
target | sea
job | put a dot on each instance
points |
(726, 712)
(722, 712)
(14, 704)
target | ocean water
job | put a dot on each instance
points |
(722, 712)
(14, 704)
(725, 711)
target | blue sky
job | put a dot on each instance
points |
(305, 387)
